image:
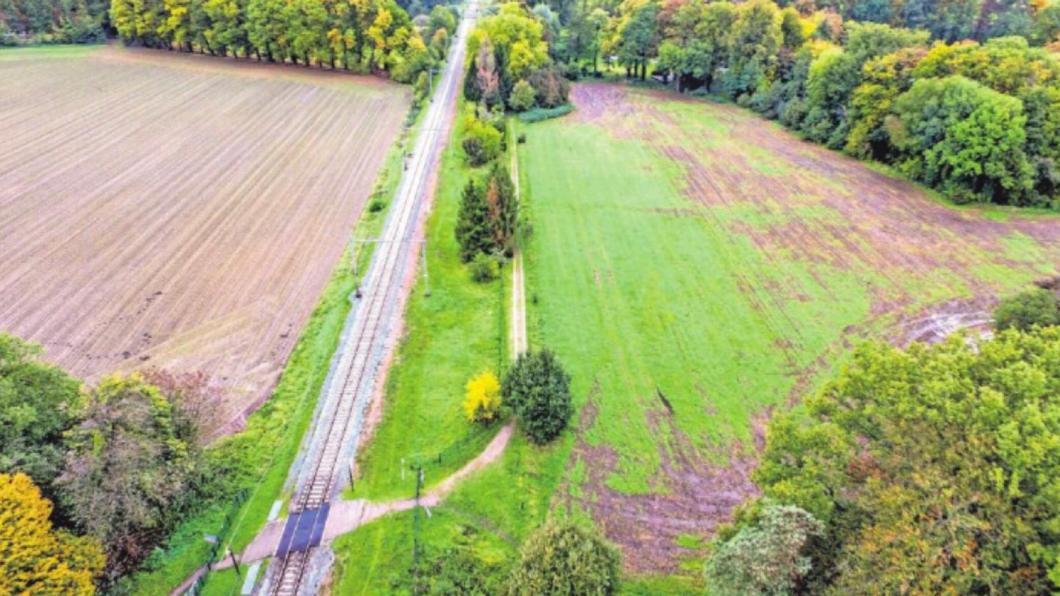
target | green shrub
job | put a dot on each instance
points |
(482, 141)
(483, 268)
(565, 558)
(39, 403)
(455, 570)
(890, 455)
(523, 97)
(538, 390)
(766, 557)
(488, 216)
(551, 88)
(539, 114)
(1027, 309)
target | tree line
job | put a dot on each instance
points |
(586, 29)
(358, 35)
(930, 470)
(52, 21)
(962, 96)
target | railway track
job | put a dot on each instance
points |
(354, 378)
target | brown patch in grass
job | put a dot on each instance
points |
(801, 202)
(699, 495)
(796, 203)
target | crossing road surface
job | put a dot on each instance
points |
(332, 443)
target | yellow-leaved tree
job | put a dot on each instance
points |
(482, 400)
(34, 559)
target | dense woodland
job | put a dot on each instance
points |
(52, 21)
(932, 470)
(362, 36)
(92, 480)
(963, 96)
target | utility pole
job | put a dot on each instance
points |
(235, 563)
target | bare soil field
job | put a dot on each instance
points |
(697, 267)
(179, 211)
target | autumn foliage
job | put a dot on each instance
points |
(482, 400)
(34, 558)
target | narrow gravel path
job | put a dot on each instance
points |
(518, 314)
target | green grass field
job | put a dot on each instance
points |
(49, 51)
(695, 266)
(690, 283)
(452, 334)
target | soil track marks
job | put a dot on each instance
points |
(177, 211)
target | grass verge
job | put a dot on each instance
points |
(455, 333)
(452, 334)
(48, 51)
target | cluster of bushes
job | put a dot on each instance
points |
(121, 462)
(559, 558)
(928, 470)
(539, 114)
(536, 390)
(488, 216)
(52, 21)
(510, 65)
(483, 135)
(1037, 307)
(370, 36)
(489, 208)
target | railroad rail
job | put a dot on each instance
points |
(353, 380)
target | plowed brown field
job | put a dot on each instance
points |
(179, 211)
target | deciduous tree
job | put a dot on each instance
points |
(482, 398)
(131, 469)
(38, 403)
(965, 139)
(1027, 309)
(934, 469)
(765, 556)
(565, 559)
(34, 558)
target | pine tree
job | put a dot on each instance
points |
(504, 208)
(473, 229)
